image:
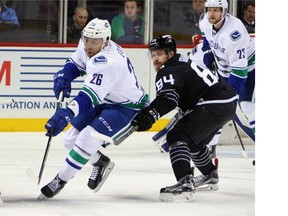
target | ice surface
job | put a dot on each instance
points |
(132, 189)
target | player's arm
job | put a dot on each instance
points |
(149, 115)
(74, 67)
(96, 87)
(208, 57)
(238, 61)
(63, 78)
(82, 103)
(166, 100)
(63, 116)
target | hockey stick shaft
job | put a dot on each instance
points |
(244, 153)
(44, 158)
(120, 139)
(117, 139)
(58, 105)
(167, 128)
(244, 128)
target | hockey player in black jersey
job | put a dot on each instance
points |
(207, 105)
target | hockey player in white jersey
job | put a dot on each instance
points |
(111, 96)
(226, 40)
(227, 43)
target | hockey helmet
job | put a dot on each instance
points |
(163, 42)
(97, 28)
(217, 3)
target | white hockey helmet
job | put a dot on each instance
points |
(97, 28)
(217, 3)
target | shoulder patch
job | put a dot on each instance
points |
(100, 60)
(235, 35)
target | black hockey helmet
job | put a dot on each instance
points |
(163, 42)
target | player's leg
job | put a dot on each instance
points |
(213, 143)
(206, 123)
(101, 169)
(180, 161)
(186, 140)
(109, 121)
(101, 164)
(246, 99)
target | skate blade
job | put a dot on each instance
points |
(105, 176)
(42, 197)
(207, 187)
(169, 197)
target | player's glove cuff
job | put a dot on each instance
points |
(145, 119)
(58, 121)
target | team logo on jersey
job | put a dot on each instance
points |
(235, 35)
(99, 59)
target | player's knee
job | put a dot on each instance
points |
(69, 138)
(177, 145)
(87, 142)
(175, 135)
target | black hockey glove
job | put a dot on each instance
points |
(145, 119)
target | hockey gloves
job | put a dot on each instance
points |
(145, 119)
(208, 59)
(58, 121)
(61, 83)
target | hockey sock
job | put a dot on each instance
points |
(180, 159)
(202, 161)
(76, 159)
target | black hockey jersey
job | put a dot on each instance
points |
(185, 84)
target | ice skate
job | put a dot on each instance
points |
(51, 189)
(100, 172)
(182, 191)
(207, 182)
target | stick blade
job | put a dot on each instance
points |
(244, 154)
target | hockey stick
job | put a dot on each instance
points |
(6, 101)
(160, 137)
(244, 153)
(58, 105)
(249, 133)
(168, 127)
(119, 138)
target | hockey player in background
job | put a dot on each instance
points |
(227, 42)
(207, 105)
(111, 96)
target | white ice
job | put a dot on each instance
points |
(132, 189)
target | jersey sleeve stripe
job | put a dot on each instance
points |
(93, 95)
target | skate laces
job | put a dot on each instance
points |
(181, 182)
(95, 172)
(200, 178)
(55, 184)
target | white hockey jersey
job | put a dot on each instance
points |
(110, 77)
(233, 48)
(197, 54)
